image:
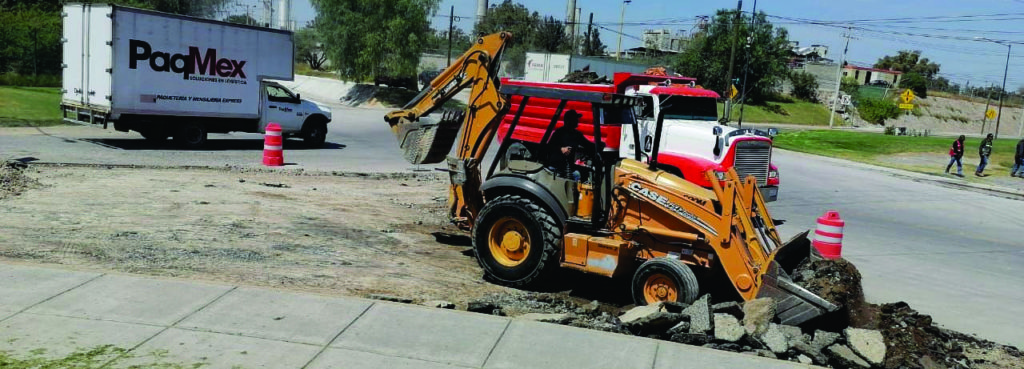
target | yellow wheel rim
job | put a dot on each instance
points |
(509, 242)
(660, 287)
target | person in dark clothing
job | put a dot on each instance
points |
(565, 142)
(955, 154)
(983, 152)
(1018, 160)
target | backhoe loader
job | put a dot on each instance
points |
(623, 217)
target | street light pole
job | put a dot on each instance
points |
(1002, 92)
(618, 51)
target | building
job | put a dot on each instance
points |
(871, 76)
(664, 40)
(801, 55)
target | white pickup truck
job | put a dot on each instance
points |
(165, 75)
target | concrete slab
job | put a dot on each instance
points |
(183, 348)
(436, 335)
(348, 359)
(30, 335)
(676, 356)
(544, 345)
(278, 315)
(132, 300)
(24, 286)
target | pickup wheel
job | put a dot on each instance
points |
(516, 240)
(314, 132)
(191, 135)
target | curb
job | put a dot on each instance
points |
(1006, 192)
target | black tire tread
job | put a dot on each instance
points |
(689, 288)
(550, 234)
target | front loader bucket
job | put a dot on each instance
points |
(794, 304)
(427, 141)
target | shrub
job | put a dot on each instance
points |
(805, 86)
(775, 108)
(890, 130)
(850, 86)
(14, 79)
(916, 83)
(877, 110)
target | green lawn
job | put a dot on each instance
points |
(870, 147)
(29, 106)
(798, 112)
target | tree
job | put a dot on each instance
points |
(849, 86)
(307, 48)
(551, 36)
(438, 41)
(805, 86)
(241, 19)
(364, 38)
(515, 18)
(707, 58)
(909, 61)
(592, 45)
(915, 82)
(877, 110)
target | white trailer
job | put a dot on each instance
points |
(165, 75)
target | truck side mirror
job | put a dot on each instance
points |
(717, 131)
(298, 96)
(772, 132)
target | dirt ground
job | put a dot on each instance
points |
(333, 234)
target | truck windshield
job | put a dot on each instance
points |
(689, 107)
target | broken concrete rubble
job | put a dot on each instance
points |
(823, 339)
(559, 318)
(869, 344)
(757, 314)
(440, 304)
(775, 339)
(640, 312)
(700, 315)
(728, 328)
(845, 357)
(730, 307)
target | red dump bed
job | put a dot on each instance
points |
(538, 114)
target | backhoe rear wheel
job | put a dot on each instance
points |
(516, 240)
(664, 279)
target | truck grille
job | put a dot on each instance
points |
(753, 158)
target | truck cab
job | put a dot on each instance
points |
(297, 117)
(694, 142)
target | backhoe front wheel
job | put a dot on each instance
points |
(516, 241)
(664, 279)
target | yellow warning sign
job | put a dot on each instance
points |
(907, 106)
(733, 91)
(907, 96)
(990, 114)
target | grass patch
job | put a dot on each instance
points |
(793, 112)
(869, 147)
(29, 106)
(87, 358)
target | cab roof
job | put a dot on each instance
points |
(682, 90)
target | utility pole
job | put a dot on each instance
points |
(1020, 130)
(451, 26)
(984, 114)
(618, 51)
(732, 59)
(746, 64)
(1002, 92)
(587, 46)
(839, 77)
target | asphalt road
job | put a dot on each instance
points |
(951, 253)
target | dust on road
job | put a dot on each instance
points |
(335, 234)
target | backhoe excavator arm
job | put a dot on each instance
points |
(427, 141)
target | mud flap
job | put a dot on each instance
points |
(794, 304)
(427, 141)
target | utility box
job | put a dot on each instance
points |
(543, 67)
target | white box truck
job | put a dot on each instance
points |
(165, 75)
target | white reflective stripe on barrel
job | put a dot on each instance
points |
(276, 148)
(830, 229)
(826, 239)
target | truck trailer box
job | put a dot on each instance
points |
(125, 61)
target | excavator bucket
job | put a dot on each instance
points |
(428, 141)
(794, 304)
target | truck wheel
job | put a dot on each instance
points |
(664, 279)
(516, 240)
(191, 135)
(314, 133)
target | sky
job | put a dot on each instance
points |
(938, 28)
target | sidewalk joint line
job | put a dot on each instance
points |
(54, 296)
(131, 350)
(335, 338)
(496, 342)
(654, 362)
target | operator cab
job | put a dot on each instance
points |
(523, 159)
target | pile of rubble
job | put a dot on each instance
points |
(585, 76)
(858, 335)
(13, 180)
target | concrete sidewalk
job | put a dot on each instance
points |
(175, 323)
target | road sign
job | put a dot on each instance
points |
(733, 92)
(907, 106)
(990, 114)
(845, 100)
(907, 96)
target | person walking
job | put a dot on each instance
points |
(1018, 160)
(955, 154)
(983, 152)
